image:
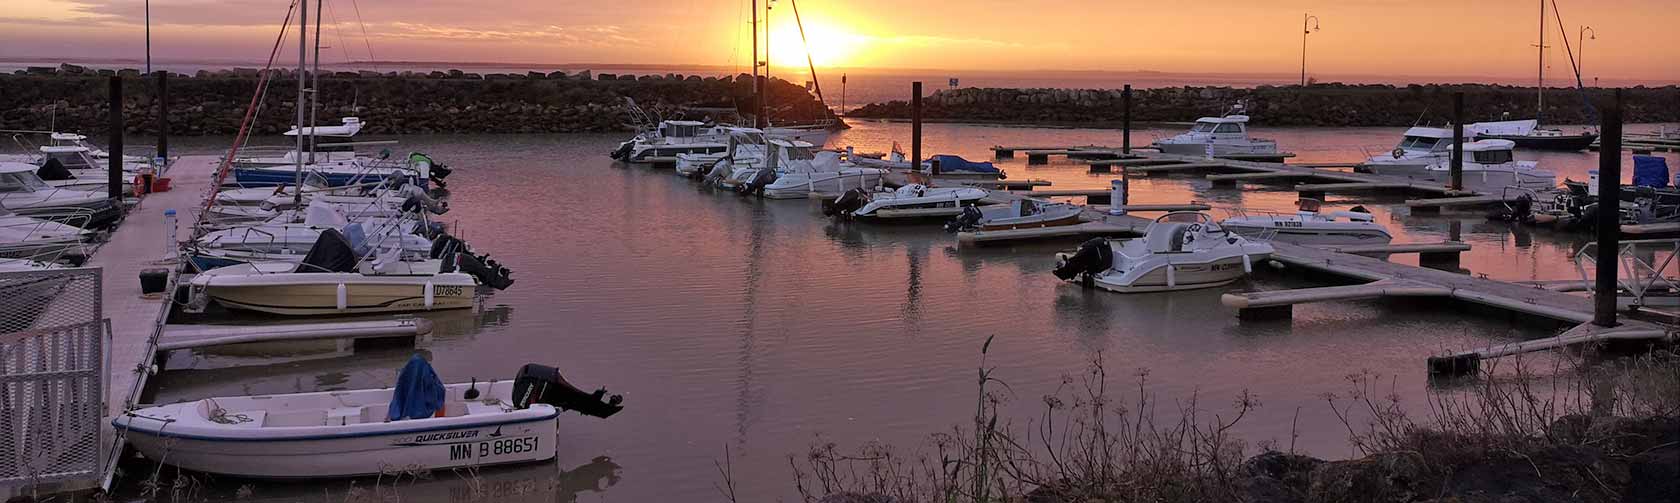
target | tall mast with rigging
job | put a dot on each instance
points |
(1540, 86)
(303, 56)
(315, 84)
(758, 94)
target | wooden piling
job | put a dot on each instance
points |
(1456, 169)
(114, 164)
(1609, 231)
(163, 115)
(916, 125)
(1126, 120)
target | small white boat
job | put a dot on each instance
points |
(673, 137)
(1309, 226)
(1018, 214)
(1226, 135)
(44, 236)
(1491, 165)
(307, 288)
(912, 201)
(340, 148)
(797, 172)
(1179, 251)
(352, 433)
(22, 191)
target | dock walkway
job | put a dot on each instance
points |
(139, 243)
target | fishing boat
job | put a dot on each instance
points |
(1311, 226)
(1418, 148)
(408, 427)
(23, 192)
(673, 137)
(1490, 165)
(744, 146)
(1179, 251)
(1218, 136)
(910, 202)
(1018, 214)
(797, 172)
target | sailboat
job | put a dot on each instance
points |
(1528, 133)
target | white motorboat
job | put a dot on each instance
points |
(340, 148)
(1418, 148)
(1179, 251)
(352, 432)
(288, 241)
(1491, 165)
(418, 168)
(1226, 135)
(1310, 226)
(745, 146)
(1018, 214)
(76, 167)
(331, 279)
(815, 135)
(42, 237)
(23, 192)
(673, 137)
(798, 172)
(912, 201)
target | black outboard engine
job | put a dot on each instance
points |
(756, 185)
(968, 220)
(543, 384)
(844, 205)
(488, 272)
(622, 151)
(1093, 257)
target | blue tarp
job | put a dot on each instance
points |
(418, 394)
(1650, 171)
(949, 163)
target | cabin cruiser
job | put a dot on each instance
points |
(1418, 148)
(1179, 251)
(23, 192)
(673, 137)
(1018, 214)
(1490, 165)
(323, 153)
(912, 201)
(1217, 136)
(1311, 226)
(419, 424)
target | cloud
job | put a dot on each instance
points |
(572, 36)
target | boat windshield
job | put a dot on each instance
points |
(21, 182)
(1203, 127)
(1418, 143)
(1493, 156)
(800, 154)
(72, 160)
(1229, 129)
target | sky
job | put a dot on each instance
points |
(1632, 39)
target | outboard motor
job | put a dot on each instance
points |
(623, 151)
(844, 205)
(720, 169)
(968, 220)
(543, 384)
(1093, 257)
(759, 180)
(488, 272)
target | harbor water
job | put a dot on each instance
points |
(760, 328)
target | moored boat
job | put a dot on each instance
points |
(1018, 214)
(1179, 251)
(910, 202)
(1310, 226)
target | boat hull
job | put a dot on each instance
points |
(348, 456)
(1218, 148)
(1184, 276)
(322, 298)
(1031, 223)
(286, 175)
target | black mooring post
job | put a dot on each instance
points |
(163, 114)
(916, 125)
(115, 162)
(1456, 168)
(1126, 121)
(1609, 219)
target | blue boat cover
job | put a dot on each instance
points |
(1650, 171)
(418, 394)
(949, 163)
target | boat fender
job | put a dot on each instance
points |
(1398, 152)
(1276, 265)
(430, 297)
(1248, 264)
(343, 297)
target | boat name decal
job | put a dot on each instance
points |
(447, 435)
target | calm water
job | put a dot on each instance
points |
(760, 327)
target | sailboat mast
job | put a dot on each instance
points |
(758, 94)
(1540, 88)
(315, 83)
(764, 104)
(303, 56)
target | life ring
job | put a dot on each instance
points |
(1398, 152)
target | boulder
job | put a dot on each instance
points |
(1654, 477)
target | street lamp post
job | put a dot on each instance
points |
(1305, 20)
(1581, 56)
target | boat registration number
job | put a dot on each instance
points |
(1286, 223)
(492, 448)
(448, 290)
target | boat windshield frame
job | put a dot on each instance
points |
(21, 181)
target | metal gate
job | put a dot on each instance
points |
(51, 390)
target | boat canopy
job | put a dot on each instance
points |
(956, 163)
(67, 137)
(16, 167)
(1503, 128)
(1226, 124)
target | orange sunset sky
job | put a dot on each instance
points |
(1635, 39)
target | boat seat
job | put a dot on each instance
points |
(376, 413)
(316, 417)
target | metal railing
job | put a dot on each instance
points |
(1641, 267)
(52, 379)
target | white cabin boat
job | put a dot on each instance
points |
(799, 172)
(23, 192)
(1018, 214)
(1491, 165)
(912, 201)
(1418, 148)
(1179, 251)
(1217, 136)
(1310, 226)
(673, 137)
